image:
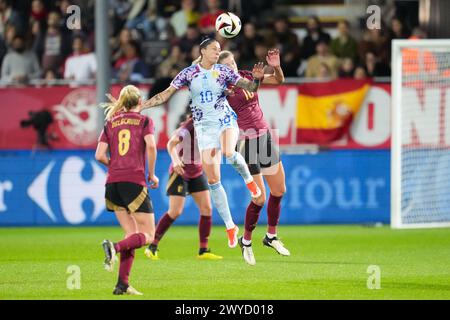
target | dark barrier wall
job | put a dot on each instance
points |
(66, 188)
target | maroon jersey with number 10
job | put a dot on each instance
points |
(124, 134)
(249, 114)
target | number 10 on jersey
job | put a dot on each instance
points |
(206, 96)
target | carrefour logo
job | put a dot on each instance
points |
(67, 190)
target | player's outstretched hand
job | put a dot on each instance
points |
(178, 168)
(111, 98)
(258, 71)
(229, 91)
(273, 58)
(154, 181)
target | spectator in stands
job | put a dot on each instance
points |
(259, 54)
(375, 41)
(314, 35)
(166, 8)
(8, 16)
(246, 44)
(287, 42)
(38, 11)
(163, 82)
(347, 68)
(20, 65)
(359, 73)
(323, 56)
(10, 34)
(190, 39)
(3, 49)
(207, 20)
(252, 10)
(51, 75)
(119, 13)
(118, 56)
(325, 72)
(53, 46)
(35, 30)
(418, 33)
(344, 45)
(398, 30)
(375, 68)
(133, 69)
(185, 16)
(137, 13)
(176, 60)
(82, 64)
(194, 54)
(154, 26)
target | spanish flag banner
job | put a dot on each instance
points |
(326, 110)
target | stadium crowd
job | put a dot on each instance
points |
(156, 39)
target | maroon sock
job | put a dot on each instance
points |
(126, 261)
(204, 230)
(251, 219)
(134, 241)
(273, 213)
(164, 224)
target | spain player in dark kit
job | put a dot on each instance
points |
(129, 136)
(260, 153)
(186, 177)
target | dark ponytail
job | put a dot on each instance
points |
(205, 42)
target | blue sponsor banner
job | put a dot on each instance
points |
(67, 188)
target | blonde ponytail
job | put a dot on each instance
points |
(129, 98)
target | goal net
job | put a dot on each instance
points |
(420, 150)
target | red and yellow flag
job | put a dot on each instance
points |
(326, 110)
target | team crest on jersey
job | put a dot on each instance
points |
(215, 74)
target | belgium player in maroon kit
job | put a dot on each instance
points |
(260, 153)
(186, 176)
(129, 136)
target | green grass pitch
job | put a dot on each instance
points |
(327, 262)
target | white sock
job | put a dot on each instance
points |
(246, 242)
(270, 235)
(229, 225)
(237, 161)
(220, 201)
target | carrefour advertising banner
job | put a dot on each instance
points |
(342, 114)
(67, 188)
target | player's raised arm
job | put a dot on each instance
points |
(258, 74)
(273, 60)
(159, 98)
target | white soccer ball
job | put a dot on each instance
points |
(228, 25)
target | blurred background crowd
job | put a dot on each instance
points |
(155, 39)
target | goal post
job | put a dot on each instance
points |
(420, 140)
